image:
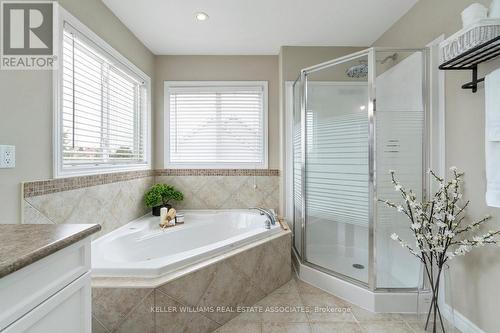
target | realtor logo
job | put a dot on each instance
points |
(27, 36)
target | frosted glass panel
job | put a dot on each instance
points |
(399, 136)
(337, 171)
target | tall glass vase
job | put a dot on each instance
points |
(434, 303)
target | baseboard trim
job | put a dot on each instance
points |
(459, 320)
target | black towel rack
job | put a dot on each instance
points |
(470, 59)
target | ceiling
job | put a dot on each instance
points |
(256, 26)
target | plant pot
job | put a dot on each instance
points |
(157, 209)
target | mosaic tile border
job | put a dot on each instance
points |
(217, 172)
(42, 187)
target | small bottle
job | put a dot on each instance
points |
(163, 217)
(171, 217)
(179, 218)
(171, 223)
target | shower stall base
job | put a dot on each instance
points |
(383, 301)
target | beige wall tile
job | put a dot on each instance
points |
(141, 319)
(225, 192)
(190, 288)
(229, 288)
(110, 205)
(33, 216)
(169, 322)
(111, 306)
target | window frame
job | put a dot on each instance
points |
(123, 63)
(207, 84)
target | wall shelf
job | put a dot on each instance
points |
(470, 59)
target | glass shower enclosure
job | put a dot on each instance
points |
(354, 119)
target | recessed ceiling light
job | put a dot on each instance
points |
(201, 16)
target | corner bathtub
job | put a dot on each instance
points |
(142, 249)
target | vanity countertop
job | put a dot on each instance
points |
(23, 244)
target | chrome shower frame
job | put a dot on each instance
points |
(372, 227)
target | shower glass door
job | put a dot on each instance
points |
(356, 118)
(337, 168)
(400, 120)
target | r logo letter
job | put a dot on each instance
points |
(17, 28)
(36, 21)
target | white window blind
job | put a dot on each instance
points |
(215, 125)
(103, 109)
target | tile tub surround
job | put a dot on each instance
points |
(110, 205)
(241, 279)
(113, 200)
(43, 187)
(225, 192)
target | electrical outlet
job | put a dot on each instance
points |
(7, 157)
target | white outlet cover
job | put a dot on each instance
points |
(7, 157)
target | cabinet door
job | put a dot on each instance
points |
(67, 311)
(25, 289)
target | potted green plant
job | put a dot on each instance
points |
(160, 195)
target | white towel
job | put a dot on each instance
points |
(492, 136)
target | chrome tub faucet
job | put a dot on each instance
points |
(269, 213)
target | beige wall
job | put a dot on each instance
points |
(295, 58)
(26, 105)
(475, 278)
(215, 68)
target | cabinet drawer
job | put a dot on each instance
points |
(69, 310)
(23, 290)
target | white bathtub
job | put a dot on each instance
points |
(142, 249)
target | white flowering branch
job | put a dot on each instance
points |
(438, 228)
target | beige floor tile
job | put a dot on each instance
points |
(286, 328)
(326, 308)
(253, 317)
(419, 327)
(289, 287)
(363, 315)
(297, 293)
(279, 307)
(386, 327)
(339, 327)
(240, 327)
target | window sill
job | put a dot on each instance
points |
(99, 171)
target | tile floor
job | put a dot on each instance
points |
(351, 319)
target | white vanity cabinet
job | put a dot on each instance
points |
(52, 294)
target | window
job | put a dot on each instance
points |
(217, 125)
(102, 121)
